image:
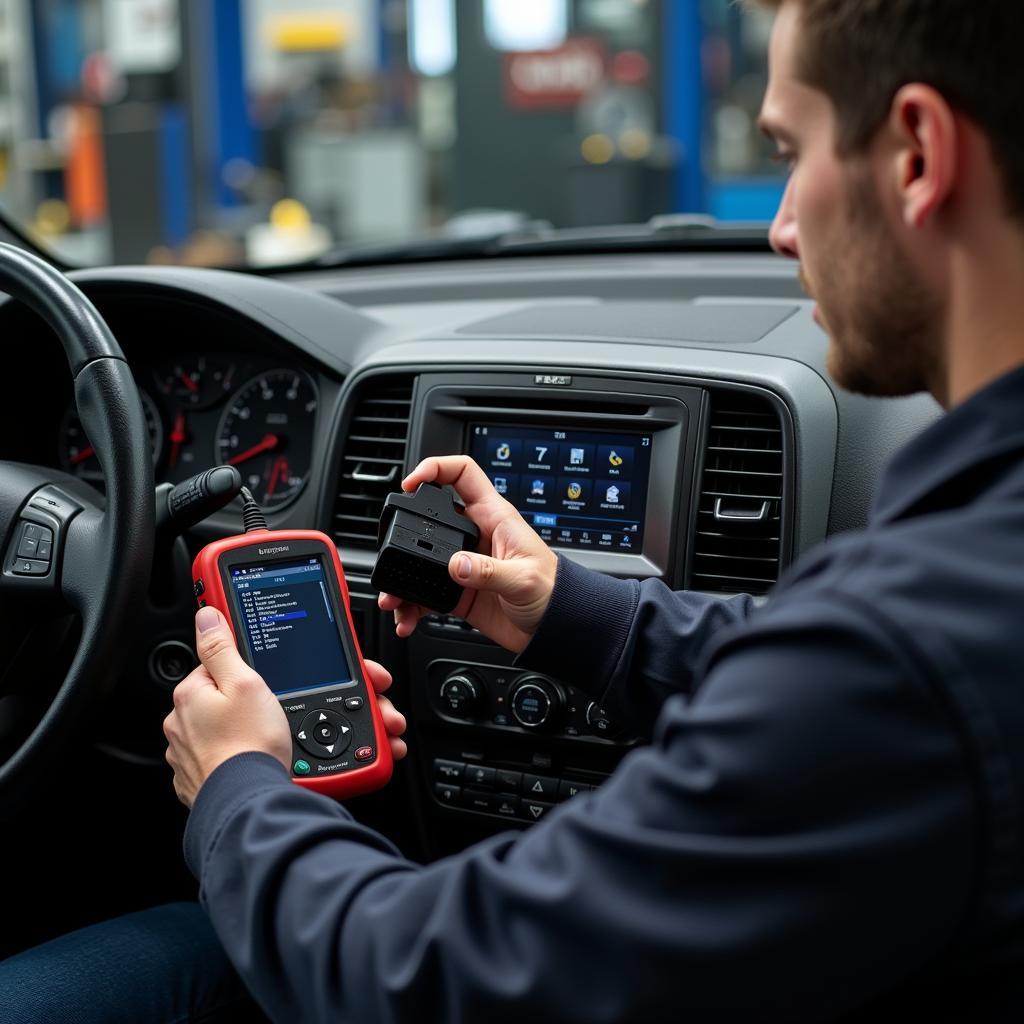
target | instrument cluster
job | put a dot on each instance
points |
(203, 410)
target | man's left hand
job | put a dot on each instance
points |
(224, 707)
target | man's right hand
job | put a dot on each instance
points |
(508, 585)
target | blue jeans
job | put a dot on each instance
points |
(159, 966)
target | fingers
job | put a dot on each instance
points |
(380, 677)
(484, 505)
(216, 648)
(514, 578)
(394, 720)
(406, 615)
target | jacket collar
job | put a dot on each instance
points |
(985, 430)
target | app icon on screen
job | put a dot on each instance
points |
(576, 456)
(504, 453)
(612, 495)
(537, 488)
(501, 484)
(574, 491)
(614, 459)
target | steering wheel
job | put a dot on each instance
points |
(61, 546)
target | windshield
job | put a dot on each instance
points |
(269, 132)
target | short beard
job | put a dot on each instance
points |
(881, 316)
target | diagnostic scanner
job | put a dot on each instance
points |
(284, 595)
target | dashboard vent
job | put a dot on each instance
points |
(737, 539)
(372, 459)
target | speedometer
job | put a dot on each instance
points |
(267, 432)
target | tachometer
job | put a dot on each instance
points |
(196, 382)
(267, 432)
(76, 453)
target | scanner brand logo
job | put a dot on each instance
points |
(274, 551)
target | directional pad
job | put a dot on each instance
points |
(324, 734)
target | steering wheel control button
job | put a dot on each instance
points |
(31, 536)
(533, 810)
(540, 787)
(301, 767)
(45, 550)
(353, 703)
(324, 734)
(30, 567)
(364, 754)
(171, 661)
(448, 771)
(479, 775)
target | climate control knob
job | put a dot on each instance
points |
(535, 702)
(460, 694)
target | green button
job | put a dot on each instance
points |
(301, 767)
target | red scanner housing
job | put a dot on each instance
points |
(349, 710)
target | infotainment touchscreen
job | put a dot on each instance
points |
(577, 488)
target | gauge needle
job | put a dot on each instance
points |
(188, 382)
(177, 437)
(82, 455)
(269, 442)
(279, 472)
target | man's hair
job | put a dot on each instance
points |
(861, 52)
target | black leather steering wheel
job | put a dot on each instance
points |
(100, 558)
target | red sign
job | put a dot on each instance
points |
(554, 78)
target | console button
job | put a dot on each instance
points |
(474, 800)
(510, 781)
(447, 794)
(301, 767)
(447, 771)
(479, 775)
(533, 810)
(507, 806)
(600, 722)
(200, 587)
(540, 787)
(460, 694)
(567, 789)
(364, 754)
(353, 703)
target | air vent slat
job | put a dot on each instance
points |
(743, 462)
(372, 458)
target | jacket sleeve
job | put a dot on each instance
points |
(629, 644)
(797, 839)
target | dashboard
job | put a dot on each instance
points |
(664, 416)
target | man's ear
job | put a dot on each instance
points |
(927, 162)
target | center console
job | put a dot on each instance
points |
(602, 470)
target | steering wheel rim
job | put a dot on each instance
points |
(106, 555)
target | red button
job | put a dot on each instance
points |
(364, 753)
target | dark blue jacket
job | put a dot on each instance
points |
(826, 823)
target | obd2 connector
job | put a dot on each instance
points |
(417, 536)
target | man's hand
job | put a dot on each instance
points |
(509, 585)
(224, 707)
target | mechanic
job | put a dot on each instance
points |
(827, 821)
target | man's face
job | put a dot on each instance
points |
(882, 321)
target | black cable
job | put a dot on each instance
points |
(252, 514)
